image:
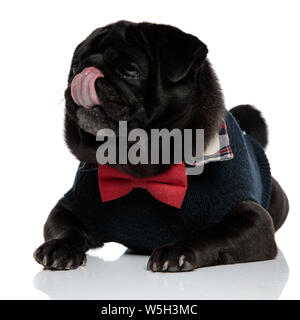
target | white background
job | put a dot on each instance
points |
(254, 48)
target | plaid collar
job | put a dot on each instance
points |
(218, 149)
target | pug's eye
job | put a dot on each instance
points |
(128, 70)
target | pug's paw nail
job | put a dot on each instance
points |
(54, 264)
(69, 265)
(165, 266)
(155, 266)
(45, 260)
(84, 261)
(187, 266)
(181, 260)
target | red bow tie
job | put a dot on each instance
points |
(168, 187)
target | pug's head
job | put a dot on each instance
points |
(150, 75)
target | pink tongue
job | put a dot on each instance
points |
(83, 87)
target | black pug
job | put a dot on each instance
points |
(156, 76)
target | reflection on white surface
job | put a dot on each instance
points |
(126, 277)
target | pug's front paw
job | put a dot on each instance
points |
(173, 258)
(59, 254)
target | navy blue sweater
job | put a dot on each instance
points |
(139, 221)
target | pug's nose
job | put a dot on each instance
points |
(83, 89)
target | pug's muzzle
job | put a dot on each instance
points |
(93, 113)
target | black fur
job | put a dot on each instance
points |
(167, 96)
(175, 91)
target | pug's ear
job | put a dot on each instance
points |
(180, 52)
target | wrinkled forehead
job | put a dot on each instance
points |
(121, 36)
(122, 39)
(175, 52)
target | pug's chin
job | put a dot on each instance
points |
(93, 120)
